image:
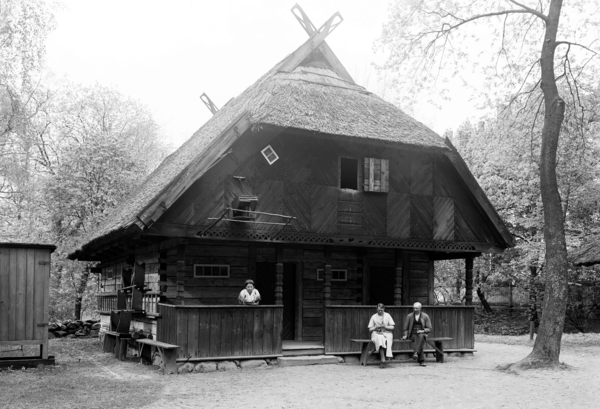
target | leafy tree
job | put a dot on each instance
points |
(522, 53)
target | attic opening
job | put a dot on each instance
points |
(243, 206)
(349, 173)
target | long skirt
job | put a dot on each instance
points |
(385, 340)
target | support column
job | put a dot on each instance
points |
(398, 278)
(180, 273)
(327, 277)
(279, 277)
(469, 280)
(299, 292)
(406, 278)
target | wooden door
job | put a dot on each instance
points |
(381, 285)
(265, 283)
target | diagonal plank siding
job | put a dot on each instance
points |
(398, 215)
(221, 331)
(443, 219)
(421, 217)
(344, 322)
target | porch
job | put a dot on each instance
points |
(219, 332)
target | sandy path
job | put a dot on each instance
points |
(459, 383)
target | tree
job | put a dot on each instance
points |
(527, 55)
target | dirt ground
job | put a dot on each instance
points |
(86, 377)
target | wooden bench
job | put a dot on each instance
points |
(436, 343)
(116, 342)
(168, 353)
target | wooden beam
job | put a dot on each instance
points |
(299, 292)
(327, 277)
(323, 48)
(294, 59)
(469, 281)
(189, 175)
(480, 197)
(279, 276)
(398, 278)
(181, 249)
(406, 278)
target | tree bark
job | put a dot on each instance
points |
(85, 275)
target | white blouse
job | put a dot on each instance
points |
(245, 296)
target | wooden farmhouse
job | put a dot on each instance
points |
(331, 199)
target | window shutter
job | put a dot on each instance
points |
(376, 173)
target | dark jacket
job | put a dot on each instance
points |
(410, 320)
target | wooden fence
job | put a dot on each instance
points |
(345, 322)
(107, 302)
(222, 331)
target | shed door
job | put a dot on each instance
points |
(24, 276)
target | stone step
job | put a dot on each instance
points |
(306, 360)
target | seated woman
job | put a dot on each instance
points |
(249, 295)
(381, 326)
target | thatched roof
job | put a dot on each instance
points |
(588, 254)
(309, 98)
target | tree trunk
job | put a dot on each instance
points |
(484, 303)
(85, 275)
(546, 349)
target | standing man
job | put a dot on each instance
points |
(381, 326)
(416, 328)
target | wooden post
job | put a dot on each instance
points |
(365, 277)
(469, 281)
(398, 278)
(180, 273)
(327, 277)
(406, 278)
(279, 277)
(299, 292)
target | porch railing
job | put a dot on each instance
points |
(345, 322)
(222, 331)
(107, 302)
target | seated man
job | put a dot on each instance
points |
(381, 326)
(416, 328)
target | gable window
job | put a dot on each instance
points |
(211, 270)
(349, 173)
(242, 206)
(270, 155)
(336, 275)
(376, 175)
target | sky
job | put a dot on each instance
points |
(166, 54)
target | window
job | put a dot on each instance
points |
(211, 270)
(349, 173)
(336, 275)
(242, 206)
(376, 175)
(270, 155)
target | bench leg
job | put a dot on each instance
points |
(364, 353)
(439, 352)
(109, 343)
(169, 358)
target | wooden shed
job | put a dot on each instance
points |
(331, 199)
(24, 299)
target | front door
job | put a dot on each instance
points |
(265, 283)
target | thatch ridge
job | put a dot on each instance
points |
(309, 98)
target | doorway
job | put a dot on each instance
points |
(265, 283)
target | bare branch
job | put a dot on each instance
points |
(530, 10)
(576, 44)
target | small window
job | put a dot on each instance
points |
(211, 270)
(110, 273)
(336, 275)
(270, 155)
(243, 207)
(349, 173)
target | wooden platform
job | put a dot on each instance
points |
(25, 361)
(302, 348)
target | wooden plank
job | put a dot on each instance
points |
(324, 209)
(346, 329)
(421, 217)
(385, 171)
(297, 203)
(443, 219)
(182, 332)
(237, 336)
(398, 215)
(268, 325)
(421, 174)
(204, 328)
(193, 332)
(247, 331)
(5, 278)
(299, 290)
(257, 336)
(338, 329)
(215, 333)
(226, 332)
(21, 271)
(30, 312)
(375, 214)
(277, 329)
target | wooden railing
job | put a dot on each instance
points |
(108, 302)
(345, 322)
(222, 331)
